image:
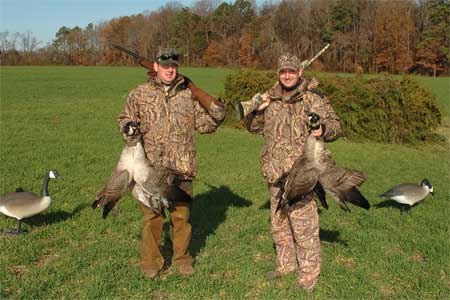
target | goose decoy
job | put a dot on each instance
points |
(21, 204)
(409, 194)
(152, 186)
(316, 172)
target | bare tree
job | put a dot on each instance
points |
(8, 42)
(29, 44)
(205, 7)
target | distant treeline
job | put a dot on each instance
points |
(401, 36)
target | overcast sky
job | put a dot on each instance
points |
(44, 17)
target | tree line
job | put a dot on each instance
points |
(370, 36)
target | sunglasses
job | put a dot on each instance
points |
(169, 56)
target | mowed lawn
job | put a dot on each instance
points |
(64, 118)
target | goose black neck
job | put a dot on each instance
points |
(44, 190)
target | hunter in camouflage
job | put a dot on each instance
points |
(282, 120)
(168, 117)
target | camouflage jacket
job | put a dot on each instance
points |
(168, 120)
(284, 126)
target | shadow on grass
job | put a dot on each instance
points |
(53, 217)
(389, 203)
(331, 236)
(207, 213)
(403, 208)
(266, 205)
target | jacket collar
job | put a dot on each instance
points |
(291, 96)
(178, 84)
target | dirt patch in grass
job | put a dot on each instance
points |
(347, 262)
(385, 289)
(135, 261)
(20, 270)
(44, 259)
(419, 257)
(17, 271)
(263, 257)
(160, 295)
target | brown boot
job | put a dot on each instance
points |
(186, 269)
(151, 272)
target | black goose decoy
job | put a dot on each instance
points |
(22, 204)
(150, 185)
(409, 194)
(315, 171)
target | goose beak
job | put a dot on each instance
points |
(59, 177)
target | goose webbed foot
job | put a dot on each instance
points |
(16, 231)
(107, 208)
(405, 208)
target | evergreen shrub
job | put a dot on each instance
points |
(384, 109)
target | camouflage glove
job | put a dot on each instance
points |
(131, 128)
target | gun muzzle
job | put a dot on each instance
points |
(243, 109)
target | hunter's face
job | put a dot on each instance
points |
(289, 78)
(166, 73)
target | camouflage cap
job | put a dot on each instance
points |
(288, 61)
(168, 56)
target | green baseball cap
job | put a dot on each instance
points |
(168, 56)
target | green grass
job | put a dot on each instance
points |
(439, 87)
(64, 118)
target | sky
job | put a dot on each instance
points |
(44, 17)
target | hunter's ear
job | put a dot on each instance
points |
(155, 66)
(300, 73)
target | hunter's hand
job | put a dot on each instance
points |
(265, 102)
(314, 124)
(131, 128)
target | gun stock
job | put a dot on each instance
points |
(198, 94)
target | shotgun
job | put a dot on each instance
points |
(197, 93)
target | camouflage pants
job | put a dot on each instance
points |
(296, 238)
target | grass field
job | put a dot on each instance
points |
(64, 118)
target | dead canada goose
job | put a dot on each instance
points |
(409, 194)
(315, 171)
(151, 186)
(21, 204)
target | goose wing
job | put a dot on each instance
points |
(113, 191)
(300, 181)
(18, 199)
(406, 193)
(158, 191)
(402, 189)
(321, 195)
(342, 184)
(21, 204)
